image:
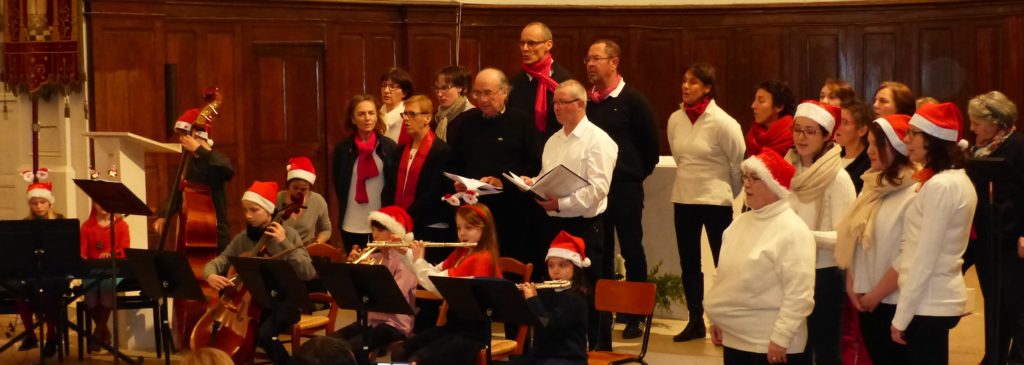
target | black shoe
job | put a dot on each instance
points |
(28, 343)
(632, 330)
(694, 330)
(50, 348)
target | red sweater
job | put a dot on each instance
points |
(478, 264)
(95, 240)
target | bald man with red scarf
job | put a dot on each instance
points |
(533, 89)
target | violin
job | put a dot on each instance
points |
(230, 325)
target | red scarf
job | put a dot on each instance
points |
(922, 176)
(694, 111)
(778, 136)
(406, 192)
(366, 166)
(598, 96)
(541, 71)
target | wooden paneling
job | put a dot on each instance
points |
(951, 50)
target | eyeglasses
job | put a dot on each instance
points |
(595, 59)
(390, 86)
(911, 133)
(811, 132)
(484, 94)
(751, 178)
(411, 115)
(442, 88)
(530, 44)
(566, 102)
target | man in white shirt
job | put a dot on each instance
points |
(590, 153)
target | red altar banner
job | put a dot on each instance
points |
(41, 44)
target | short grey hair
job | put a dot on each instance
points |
(502, 79)
(544, 30)
(575, 88)
(993, 107)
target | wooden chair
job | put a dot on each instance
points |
(325, 251)
(503, 348)
(311, 324)
(627, 298)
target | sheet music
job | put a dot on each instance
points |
(560, 182)
(473, 184)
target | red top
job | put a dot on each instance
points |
(461, 264)
(95, 240)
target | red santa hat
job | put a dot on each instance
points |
(943, 121)
(774, 170)
(895, 127)
(569, 247)
(824, 114)
(40, 190)
(301, 168)
(395, 219)
(187, 119)
(263, 193)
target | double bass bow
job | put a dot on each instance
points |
(229, 325)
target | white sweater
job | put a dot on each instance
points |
(835, 204)
(935, 233)
(869, 266)
(763, 290)
(708, 156)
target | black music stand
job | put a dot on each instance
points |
(45, 252)
(271, 282)
(987, 171)
(116, 199)
(163, 275)
(485, 299)
(364, 289)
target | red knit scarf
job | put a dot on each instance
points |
(778, 136)
(541, 71)
(366, 167)
(694, 111)
(406, 192)
(598, 96)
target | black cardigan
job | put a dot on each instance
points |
(345, 156)
(1009, 199)
(428, 207)
(524, 95)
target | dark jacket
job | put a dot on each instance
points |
(345, 156)
(1009, 196)
(858, 167)
(563, 334)
(629, 120)
(524, 95)
(212, 169)
(428, 207)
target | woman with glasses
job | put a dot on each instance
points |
(822, 194)
(707, 145)
(993, 118)
(395, 87)
(451, 84)
(868, 240)
(936, 228)
(364, 171)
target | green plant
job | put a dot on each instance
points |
(670, 287)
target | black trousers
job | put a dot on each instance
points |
(823, 325)
(380, 335)
(624, 217)
(731, 356)
(928, 339)
(456, 343)
(599, 330)
(876, 328)
(273, 321)
(517, 218)
(1004, 317)
(689, 220)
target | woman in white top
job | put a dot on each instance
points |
(935, 233)
(822, 195)
(762, 292)
(364, 167)
(868, 239)
(395, 87)
(708, 147)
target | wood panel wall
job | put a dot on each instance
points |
(951, 50)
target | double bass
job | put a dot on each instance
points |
(230, 324)
(197, 217)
